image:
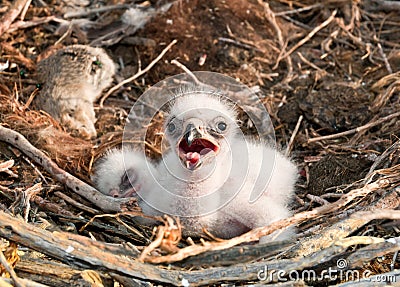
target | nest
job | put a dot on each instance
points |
(328, 72)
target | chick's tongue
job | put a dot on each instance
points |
(192, 157)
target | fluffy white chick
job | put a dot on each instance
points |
(212, 177)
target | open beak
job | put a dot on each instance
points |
(194, 146)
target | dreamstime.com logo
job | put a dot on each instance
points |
(340, 272)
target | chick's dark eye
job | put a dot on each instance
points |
(221, 126)
(171, 127)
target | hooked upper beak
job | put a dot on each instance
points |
(191, 133)
(195, 146)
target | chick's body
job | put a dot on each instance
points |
(72, 79)
(212, 177)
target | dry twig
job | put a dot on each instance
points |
(117, 217)
(355, 130)
(11, 15)
(11, 271)
(393, 82)
(28, 194)
(104, 202)
(378, 214)
(25, 9)
(167, 237)
(323, 238)
(28, 24)
(82, 14)
(295, 131)
(384, 5)
(239, 44)
(186, 70)
(270, 15)
(75, 203)
(299, 10)
(5, 167)
(385, 59)
(138, 74)
(308, 37)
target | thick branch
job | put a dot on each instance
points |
(106, 203)
(80, 251)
